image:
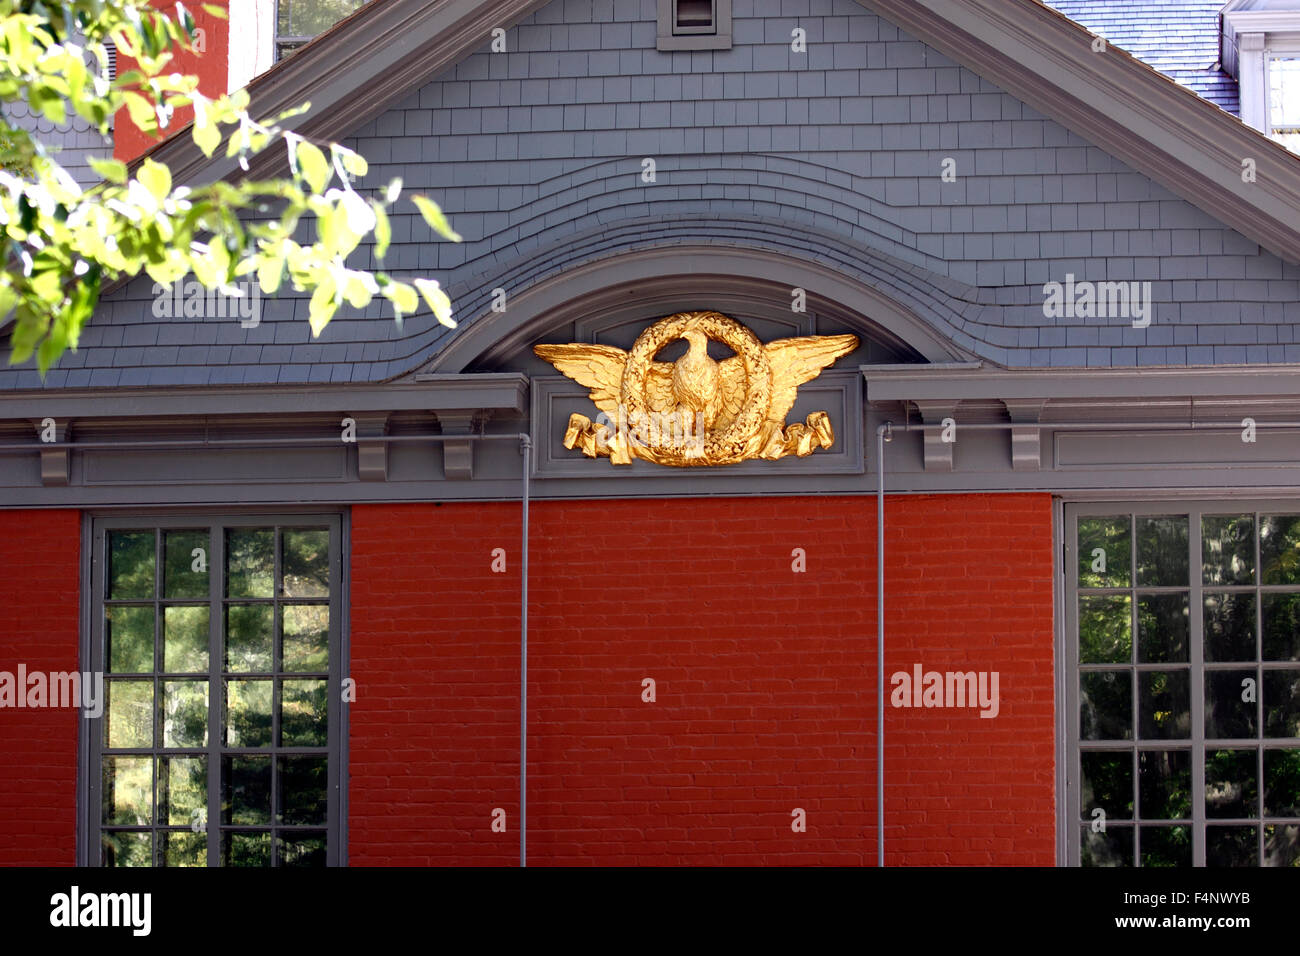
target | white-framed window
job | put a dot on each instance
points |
(299, 21)
(1284, 98)
(694, 25)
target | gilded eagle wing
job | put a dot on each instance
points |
(599, 367)
(735, 385)
(799, 360)
(659, 388)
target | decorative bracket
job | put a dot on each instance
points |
(458, 456)
(372, 456)
(938, 453)
(1026, 443)
(55, 461)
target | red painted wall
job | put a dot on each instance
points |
(39, 580)
(211, 66)
(765, 682)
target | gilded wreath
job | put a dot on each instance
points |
(698, 411)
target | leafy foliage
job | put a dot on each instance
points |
(62, 244)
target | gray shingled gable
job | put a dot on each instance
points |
(536, 155)
(1180, 38)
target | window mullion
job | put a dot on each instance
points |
(216, 685)
(1196, 611)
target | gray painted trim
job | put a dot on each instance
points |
(503, 392)
(709, 271)
(1118, 103)
(1242, 383)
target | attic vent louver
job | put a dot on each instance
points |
(694, 25)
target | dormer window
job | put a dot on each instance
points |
(694, 25)
(1260, 46)
(1284, 100)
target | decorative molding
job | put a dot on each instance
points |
(938, 453)
(1026, 443)
(55, 462)
(372, 456)
(458, 456)
(504, 392)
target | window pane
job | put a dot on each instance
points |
(185, 564)
(182, 790)
(303, 784)
(1230, 626)
(1228, 549)
(1284, 92)
(1282, 846)
(128, 636)
(250, 563)
(1231, 783)
(1162, 551)
(131, 564)
(302, 849)
(1281, 623)
(128, 790)
(248, 713)
(306, 564)
(185, 713)
(1166, 846)
(185, 639)
(1114, 847)
(1165, 778)
(248, 637)
(1106, 706)
(126, 848)
(1282, 703)
(128, 713)
(1164, 705)
(306, 638)
(1104, 552)
(1105, 629)
(246, 796)
(303, 714)
(183, 848)
(1163, 624)
(1282, 783)
(1107, 779)
(1231, 846)
(1279, 549)
(1230, 706)
(246, 849)
(310, 17)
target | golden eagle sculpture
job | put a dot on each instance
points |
(696, 410)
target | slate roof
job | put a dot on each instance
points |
(1180, 38)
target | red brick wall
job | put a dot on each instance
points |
(39, 574)
(765, 682)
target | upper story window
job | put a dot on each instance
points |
(1284, 100)
(299, 21)
(694, 25)
(1260, 46)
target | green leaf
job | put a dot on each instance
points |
(404, 297)
(215, 11)
(322, 306)
(113, 170)
(156, 178)
(269, 273)
(433, 216)
(141, 112)
(383, 230)
(438, 301)
(314, 166)
(354, 163)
